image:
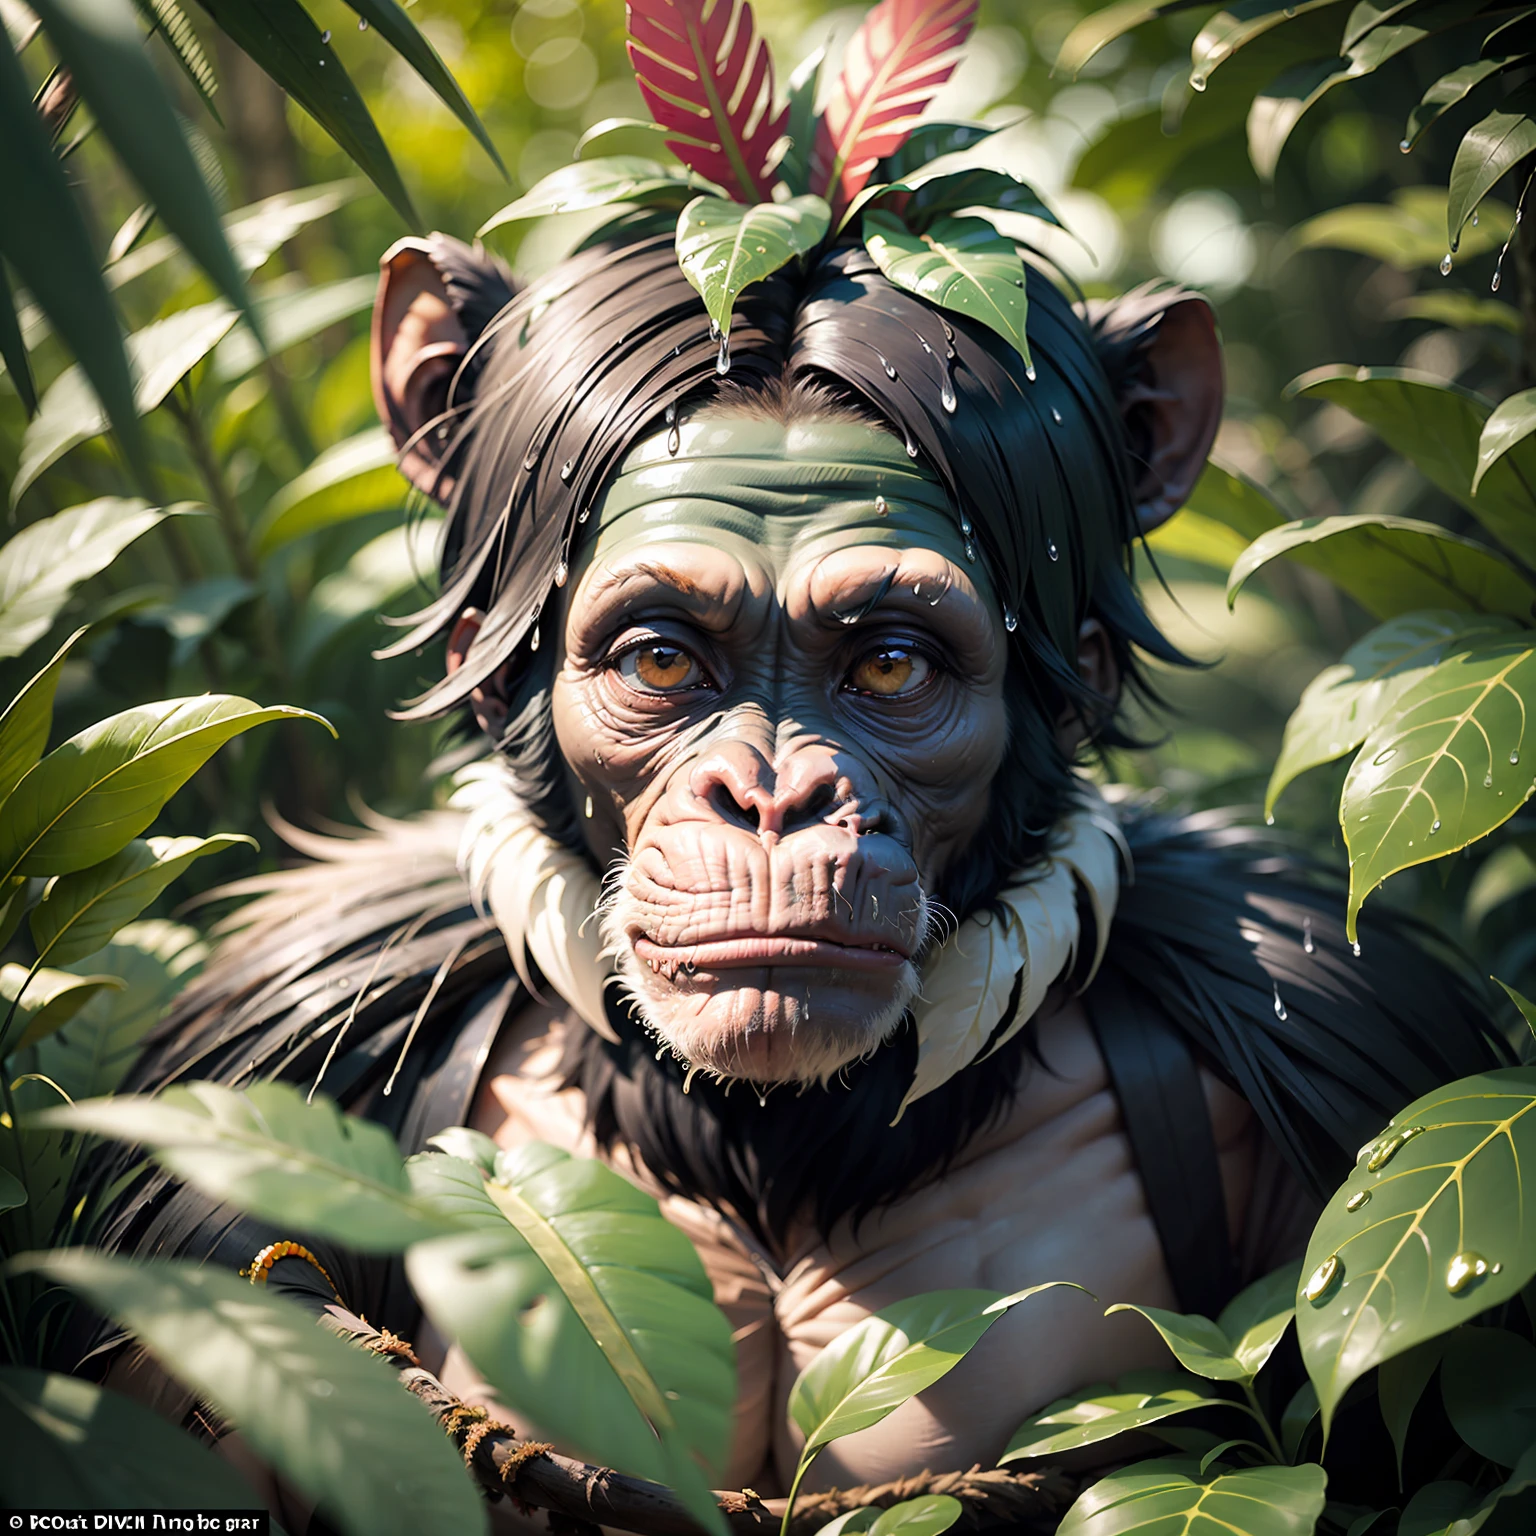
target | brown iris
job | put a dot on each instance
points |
(661, 667)
(888, 671)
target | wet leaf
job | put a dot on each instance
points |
(326, 1415)
(272, 1153)
(70, 1444)
(1487, 150)
(1344, 703)
(1437, 427)
(1172, 1494)
(1393, 565)
(1400, 1383)
(90, 796)
(1102, 1411)
(351, 479)
(79, 913)
(723, 247)
(596, 183)
(927, 1515)
(1451, 89)
(1488, 1384)
(959, 263)
(1448, 1182)
(1446, 766)
(28, 718)
(586, 1310)
(39, 1002)
(1233, 28)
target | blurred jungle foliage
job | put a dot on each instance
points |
(303, 534)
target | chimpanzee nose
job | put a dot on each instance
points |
(743, 788)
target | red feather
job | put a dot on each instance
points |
(707, 77)
(902, 53)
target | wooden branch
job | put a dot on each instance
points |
(1029, 1503)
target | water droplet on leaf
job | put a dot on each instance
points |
(882, 507)
(1445, 265)
(723, 357)
(1197, 82)
(1029, 372)
(1384, 756)
(1388, 1149)
(1493, 287)
(1357, 1199)
(1434, 826)
(1323, 1279)
(1404, 146)
(325, 36)
(1464, 1271)
(1356, 948)
(362, 23)
(1514, 756)
(1487, 781)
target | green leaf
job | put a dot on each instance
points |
(794, 167)
(1151, 1498)
(1408, 233)
(327, 1416)
(1488, 1383)
(1436, 1510)
(28, 717)
(1461, 311)
(168, 19)
(42, 1001)
(1296, 1419)
(1437, 427)
(13, 350)
(927, 142)
(1513, 420)
(1256, 1318)
(586, 1310)
(597, 183)
(352, 479)
(933, 196)
(101, 44)
(197, 610)
(397, 29)
(70, 1444)
(723, 246)
(1229, 497)
(281, 38)
(1102, 1411)
(1447, 1183)
(384, 569)
(274, 1154)
(1443, 768)
(871, 1369)
(1400, 1383)
(13, 1195)
(44, 237)
(79, 913)
(1392, 565)
(1452, 89)
(1236, 26)
(1101, 29)
(1521, 1001)
(1344, 703)
(163, 353)
(291, 317)
(618, 127)
(853, 1522)
(104, 786)
(959, 264)
(1488, 149)
(928, 1515)
(1197, 1343)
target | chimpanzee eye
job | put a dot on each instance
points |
(890, 671)
(657, 667)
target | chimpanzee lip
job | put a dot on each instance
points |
(737, 951)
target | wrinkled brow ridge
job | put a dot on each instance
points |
(685, 586)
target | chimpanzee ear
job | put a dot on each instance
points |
(418, 342)
(1163, 356)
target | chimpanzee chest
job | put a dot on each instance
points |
(1052, 1193)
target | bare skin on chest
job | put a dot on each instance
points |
(1051, 1193)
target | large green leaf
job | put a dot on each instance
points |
(291, 317)
(1400, 1383)
(1488, 1384)
(1444, 767)
(1234, 27)
(723, 246)
(928, 141)
(38, 1002)
(1513, 420)
(43, 564)
(28, 718)
(1198, 1344)
(279, 36)
(1393, 565)
(1408, 233)
(1344, 703)
(1224, 513)
(935, 195)
(586, 1310)
(1451, 89)
(1487, 150)
(101, 44)
(163, 353)
(70, 1444)
(79, 913)
(1461, 311)
(351, 479)
(329, 1417)
(1172, 1496)
(1437, 427)
(1101, 29)
(1445, 1229)
(44, 237)
(959, 263)
(596, 183)
(104, 786)
(929, 1514)
(1102, 1411)
(1256, 1318)
(273, 1153)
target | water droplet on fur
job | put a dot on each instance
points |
(970, 551)
(325, 36)
(1055, 415)
(762, 1098)
(688, 1079)
(890, 372)
(1445, 265)
(531, 457)
(562, 574)
(587, 808)
(949, 330)
(1010, 620)
(566, 468)
(947, 397)
(1357, 1200)
(966, 525)
(911, 449)
(1356, 948)
(1280, 1012)
(1464, 1271)
(1388, 1149)
(1323, 1279)
(926, 347)
(882, 508)
(1052, 551)
(1307, 941)
(533, 642)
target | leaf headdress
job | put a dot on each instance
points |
(759, 182)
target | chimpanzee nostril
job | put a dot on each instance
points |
(814, 807)
(729, 807)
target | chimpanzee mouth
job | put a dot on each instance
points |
(741, 951)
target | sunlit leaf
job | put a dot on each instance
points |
(1150, 1498)
(723, 247)
(1224, 513)
(794, 167)
(289, 318)
(330, 1418)
(1102, 1411)
(352, 479)
(927, 1515)
(1513, 420)
(28, 718)
(91, 795)
(273, 1153)
(616, 127)
(1198, 1344)
(1408, 233)
(79, 913)
(935, 195)
(1344, 703)
(71, 1444)
(42, 1001)
(927, 142)
(596, 183)
(1451, 89)
(1522, 1002)
(43, 564)
(167, 18)
(1444, 767)
(1488, 149)
(961, 264)
(1101, 29)
(1256, 1318)
(586, 1310)
(1463, 311)
(1445, 1231)
(1234, 27)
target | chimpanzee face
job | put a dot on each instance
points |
(780, 694)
